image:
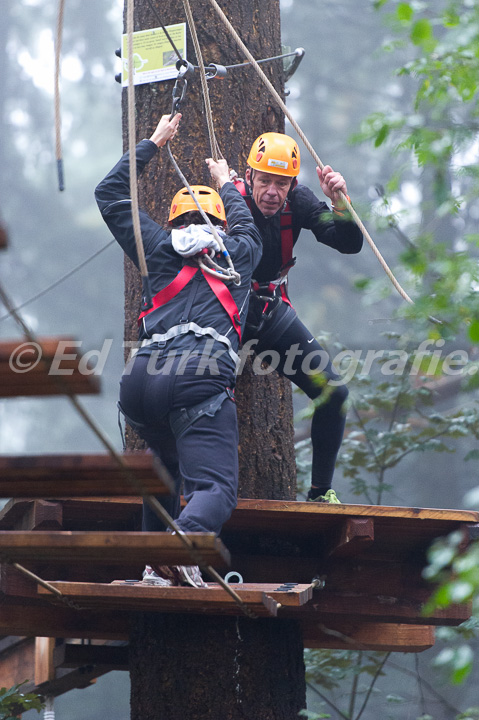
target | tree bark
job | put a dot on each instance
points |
(218, 668)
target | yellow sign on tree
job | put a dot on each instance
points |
(153, 56)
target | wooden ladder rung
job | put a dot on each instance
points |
(262, 599)
(116, 548)
(25, 372)
(56, 476)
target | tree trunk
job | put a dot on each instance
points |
(218, 668)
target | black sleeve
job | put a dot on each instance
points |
(335, 231)
(241, 227)
(113, 199)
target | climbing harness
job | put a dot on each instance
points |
(166, 294)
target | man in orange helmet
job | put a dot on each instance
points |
(177, 390)
(281, 208)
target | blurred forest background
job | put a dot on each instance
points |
(346, 76)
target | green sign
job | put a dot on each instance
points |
(153, 56)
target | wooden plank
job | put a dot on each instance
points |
(81, 513)
(398, 531)
(354, 635)
(51, 366)
(261, 599)
(54, 476)
(109, 547)
(58, 621)
(384, 609)
(44, 667)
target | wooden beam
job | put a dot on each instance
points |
(81, 513)
(109, 547)
(354, 635)
(55, 476)
(262, 599)
(58, 621)
(73, 655)
(44, 667)
(332, 606)
(353, 536)
(54, 367)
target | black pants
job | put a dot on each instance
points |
(297, 355)
(204, 455)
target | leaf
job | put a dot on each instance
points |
(473, 331)
(404, 12)
(421, 32)
(382, 135)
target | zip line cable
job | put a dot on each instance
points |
(308, 145)
(58, 121)
(59, 281)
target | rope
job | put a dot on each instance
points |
(132, 149)
(60, 280)
(215, 150)
(225, 275)
(308, 145)
(58, 132)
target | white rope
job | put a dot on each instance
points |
(130, 11)
(58, 120)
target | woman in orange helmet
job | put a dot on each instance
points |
(281, 208)
(177, 389)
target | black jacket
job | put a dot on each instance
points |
(311, 214)
(243, 244)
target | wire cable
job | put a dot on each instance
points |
(59, 281)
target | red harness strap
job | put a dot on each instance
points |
(226, 300)
(170, 291)
(217, 286)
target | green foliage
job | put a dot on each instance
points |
(13, 702)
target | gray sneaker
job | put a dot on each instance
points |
(150, 577)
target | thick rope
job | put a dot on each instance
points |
(58, 120)
(132, 141)
(308, 145)
(215, 149)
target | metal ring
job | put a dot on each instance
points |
(231, 575)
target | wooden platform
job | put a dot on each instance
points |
(53, 476)
(83, 548)
(263, 599)
(55, 368)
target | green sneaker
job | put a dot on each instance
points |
(328, 497)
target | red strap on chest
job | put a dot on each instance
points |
(171, 290)
(226, 300)
(217, 286)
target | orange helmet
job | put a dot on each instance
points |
(208, 199)
(275, 153)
